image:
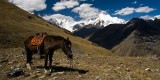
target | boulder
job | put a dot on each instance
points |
(15, 72)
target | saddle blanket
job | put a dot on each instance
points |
(36, 41)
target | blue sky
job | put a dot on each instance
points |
(83, 9)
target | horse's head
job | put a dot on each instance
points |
(67, 48)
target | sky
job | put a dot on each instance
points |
(85, 9)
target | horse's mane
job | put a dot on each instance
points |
(56, 37)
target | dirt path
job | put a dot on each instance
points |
(86, 67)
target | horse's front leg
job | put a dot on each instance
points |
(50, 61)
(46, 62)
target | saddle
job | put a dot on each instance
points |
(38, 39)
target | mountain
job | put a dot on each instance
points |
(91, 26)
(105, 19)
(70, 24)
(62, 21)
(86, 31)
(90, 61)
(135, 38)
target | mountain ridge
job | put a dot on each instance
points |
(133, 38)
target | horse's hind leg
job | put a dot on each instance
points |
(29, 59)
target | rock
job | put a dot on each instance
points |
(54, 78)
(128, 70)
(34, 76)
(4, 61)
(60, 72)
(20, 65)
(38, 71)
(23, 51)
(147, 69)
(106, 74)
(97, 78)
(15, 72)
(10, 62)
(128, 76)
(117, 68)
(43, 76)
(157, 70)
(79, 76)
(53, 74)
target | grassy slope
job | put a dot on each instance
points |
(15, 26)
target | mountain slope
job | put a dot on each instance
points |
(16, 25)
(137, 37)
(90, 61)
(86, 31)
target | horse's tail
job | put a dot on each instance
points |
(27, 42)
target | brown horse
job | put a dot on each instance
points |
(48, 46)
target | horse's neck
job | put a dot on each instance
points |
(59, 45)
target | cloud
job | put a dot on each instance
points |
(135, 2)
(147, 17)
(86, 11)
(63, 4)
(82, 0)
(58, 16)
(125, 11)
(30, 5)
(144, 9)
(157, 16)
(130, 10)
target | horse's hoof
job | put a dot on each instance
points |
(50, 71)
(28, 66)
(45, 71)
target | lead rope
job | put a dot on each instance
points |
(71, 65)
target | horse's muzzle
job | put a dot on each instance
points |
(70, 56)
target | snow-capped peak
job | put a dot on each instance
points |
(63, 21)
(67, 22)
(105, 19)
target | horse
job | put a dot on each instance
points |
(48, 46)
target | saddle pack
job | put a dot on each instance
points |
(38, 38)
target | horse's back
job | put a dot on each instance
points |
(52, 41)
(54, 37)
(28, 40)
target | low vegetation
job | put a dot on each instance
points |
(90, 61)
